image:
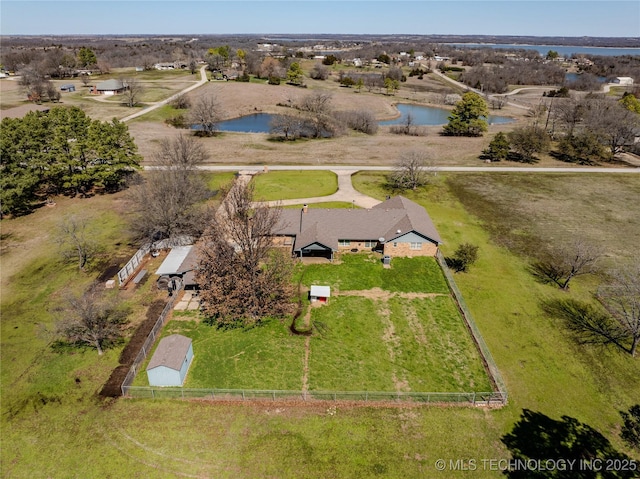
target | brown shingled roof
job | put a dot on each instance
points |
(171, 352)
(327, 226)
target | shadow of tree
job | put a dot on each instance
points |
(542, 447)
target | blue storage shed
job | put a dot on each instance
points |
(171, 361)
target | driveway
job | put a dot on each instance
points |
(144, 111)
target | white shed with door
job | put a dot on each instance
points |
(320, 293)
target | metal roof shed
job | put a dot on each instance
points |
(173, 261)
(171, 361)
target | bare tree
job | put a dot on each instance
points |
(319, 121)
(74, 240)
(85, 79)
(206, 112)
(242, 277)
(90, 319)
(561, 264)
(181, 102)
(133, 91)
(319, 72)
(620, 296)
(360, 120)
(612, 123)
(168, 203)
(286, 125)
(410, 172)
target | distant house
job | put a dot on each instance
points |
(68, 87)
(164, 66)
(109, 87)
(623, 81)
(396, 227)
(170, 362)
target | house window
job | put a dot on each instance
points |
(369, 244)
(416, 246)
(344, 242)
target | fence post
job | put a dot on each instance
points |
(243, 398)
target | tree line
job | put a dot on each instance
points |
(61, 151)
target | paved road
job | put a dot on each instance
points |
(468, 169)
(144, 111)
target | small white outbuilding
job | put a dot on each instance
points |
(623, 81)
(171, 361)
(320, 293)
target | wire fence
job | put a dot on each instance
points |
(472, 399)
(496, 397)
(148, 343)
(483, 349)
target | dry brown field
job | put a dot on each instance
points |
(383, 148)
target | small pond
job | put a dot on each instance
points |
(572, 77)
(430, 116)
(256, 123)
(422, 115)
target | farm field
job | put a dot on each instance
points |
(400, 327)
(53, 424)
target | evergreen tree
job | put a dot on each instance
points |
(468, 118)
(62, 151)
(498, 149)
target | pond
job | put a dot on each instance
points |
(256, 123)
(422, 115)
(430, 116)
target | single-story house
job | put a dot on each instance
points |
(68, 87)
(395, 227)
(170, 362)
(623, 81)
(109, 87)
(319, 293)
(164, 66)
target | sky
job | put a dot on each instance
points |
(569, 18)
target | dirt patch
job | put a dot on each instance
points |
(416, 326)
(112, 387)
(381, 294)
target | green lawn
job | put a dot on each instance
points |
(268, 357)
(399, 343)
(285, 185)
(543, 367)
(364, 271)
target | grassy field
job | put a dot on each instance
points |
(543, 367)
(53, 425)
(401, 328)
(285, 185)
